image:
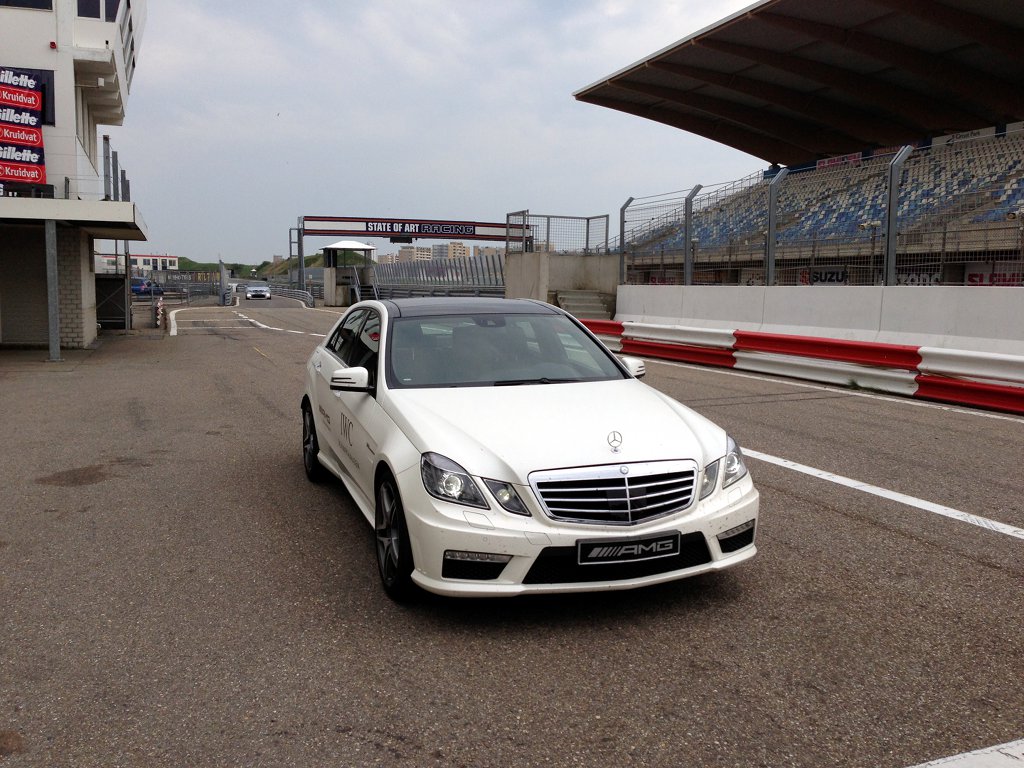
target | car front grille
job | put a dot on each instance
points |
(616, 494)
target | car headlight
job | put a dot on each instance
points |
(507, 496)
(731, 467)
(446, 480)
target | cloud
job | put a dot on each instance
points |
(243, 117)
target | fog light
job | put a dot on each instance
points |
(737, 538)
(476, 557)
(473, 566)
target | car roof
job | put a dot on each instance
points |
(466, 305)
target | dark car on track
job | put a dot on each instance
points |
(143, 287)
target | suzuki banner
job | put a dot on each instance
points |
(21, 127)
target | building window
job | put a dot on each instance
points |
(89, 8)
(45, 5)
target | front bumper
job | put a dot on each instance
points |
(715, 534)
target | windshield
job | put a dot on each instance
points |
(494, 350)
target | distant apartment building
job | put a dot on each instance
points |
(415, 253)
(452, 250)
(66, 68)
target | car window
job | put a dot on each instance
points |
(344, 336)
(364, 351)
(356, 341)
(464, 350)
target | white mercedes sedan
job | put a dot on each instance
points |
(497, 447)
(257, 291)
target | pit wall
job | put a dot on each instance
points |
(978, 319)
(541, 275)
(961, 345)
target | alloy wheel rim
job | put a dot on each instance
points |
(387, 534)
(307, 438)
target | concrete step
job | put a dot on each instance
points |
(586, 304)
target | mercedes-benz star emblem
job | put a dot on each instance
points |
(615, 441)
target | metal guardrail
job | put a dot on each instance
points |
(303, 296)
(413, 290)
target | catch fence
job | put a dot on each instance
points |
(950, 213)
(470, 275)
(539, 233)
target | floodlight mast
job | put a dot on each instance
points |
(302, 256)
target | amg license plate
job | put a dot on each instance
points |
(594, 552)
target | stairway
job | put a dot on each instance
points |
(591, 305)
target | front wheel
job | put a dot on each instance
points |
(394, 553)
(311, 448)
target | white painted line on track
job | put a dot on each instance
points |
(901, 498)
(1010, 755)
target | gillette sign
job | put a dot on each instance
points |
(21, 127)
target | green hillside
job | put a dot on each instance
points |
(265, 269)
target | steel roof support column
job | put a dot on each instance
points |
(688, 236)
(891, 209)
(52, 292)
(773, 216)
(622, 241)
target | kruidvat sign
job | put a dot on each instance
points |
(349, 226)
(21, 132)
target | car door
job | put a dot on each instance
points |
(361, 421)
(354, 418)
(328, 358)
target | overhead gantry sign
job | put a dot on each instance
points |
(405, 230)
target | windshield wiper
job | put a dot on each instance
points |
(542, 380)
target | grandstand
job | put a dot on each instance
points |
(959, 203)
(828, 94)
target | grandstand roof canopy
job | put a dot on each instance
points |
(794, 81)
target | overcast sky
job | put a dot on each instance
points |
(245, 115)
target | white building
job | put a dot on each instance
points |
(66, 68)
(488, 250)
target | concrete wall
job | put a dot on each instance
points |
(538, 275)
(983, 319)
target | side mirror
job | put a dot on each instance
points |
(350, 380)
(635, 366)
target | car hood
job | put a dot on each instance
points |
(507, 432)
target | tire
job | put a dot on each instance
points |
(315, 471)
(394, 552)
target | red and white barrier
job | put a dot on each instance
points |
(963, 377)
